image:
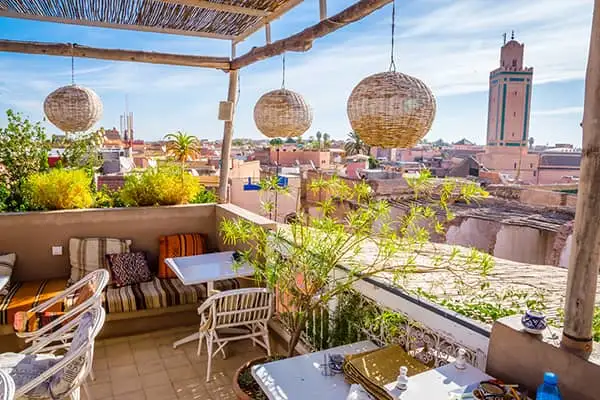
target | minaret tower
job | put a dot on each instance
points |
(509, 101)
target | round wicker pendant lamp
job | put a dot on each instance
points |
(282, 113)
(73, 108)
(391, 109)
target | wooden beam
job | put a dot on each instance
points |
(302, 41)
(98, 24)
(585, 254)
(209, 5)
(227, 138)
(285, 7)
(67, 49)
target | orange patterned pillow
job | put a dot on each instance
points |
(181, 245)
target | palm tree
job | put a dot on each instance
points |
(531, 142)
(319, 136)
(182, 146)
(326, 140)
(355, 145)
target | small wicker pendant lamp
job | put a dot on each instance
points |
(391, 109)
(73, 108)
(282, 112)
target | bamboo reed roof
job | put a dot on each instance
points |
(221, 19)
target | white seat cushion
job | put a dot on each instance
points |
(24, 368)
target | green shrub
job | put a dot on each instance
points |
(108, 198)
(205, 196)
(59, 189)
(165, 185)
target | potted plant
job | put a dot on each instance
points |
(301, 261)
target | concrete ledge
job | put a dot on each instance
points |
(516, 356)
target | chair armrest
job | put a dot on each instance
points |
(73, 313)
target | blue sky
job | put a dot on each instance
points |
(451, 45)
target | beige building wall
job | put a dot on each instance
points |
(507, 162)
(253, 200)
(31, 235)
(523, 244)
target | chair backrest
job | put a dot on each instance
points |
(7, 386)
(77, 299)
(241, 307)
(80, 354)
(74, 367)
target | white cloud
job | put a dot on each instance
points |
(560, 111)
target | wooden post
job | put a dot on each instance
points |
(585, 256)
(323, 9)
(227, 137)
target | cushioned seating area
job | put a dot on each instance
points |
(156, 294)
(159, 293)
(24, 296)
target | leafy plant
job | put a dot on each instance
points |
(165, 185)
(300, 260)
(59, 189)
(108, 198)
(23, 151)
(82, 150)
(205, 196)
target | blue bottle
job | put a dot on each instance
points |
(548, 390)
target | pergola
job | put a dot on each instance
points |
(235, 20)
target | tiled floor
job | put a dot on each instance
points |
(147, 367)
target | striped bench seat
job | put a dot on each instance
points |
(156, 294)
(22, 296)
(159, 293)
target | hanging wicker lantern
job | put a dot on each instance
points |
(391, 110)
(282, 113)
(73, 108)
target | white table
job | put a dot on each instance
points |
(439, 383)
(206, 268)
(300, 377)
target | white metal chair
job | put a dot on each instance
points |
(249, 308)
(7, 386)
(40, 374)
(95, 281)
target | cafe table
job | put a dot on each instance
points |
(301, 378)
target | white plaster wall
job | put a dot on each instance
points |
(473, 232)
(566, 253)
(521, 244)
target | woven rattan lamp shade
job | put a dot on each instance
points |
(391, 110)
(282, 113)
(73, 108)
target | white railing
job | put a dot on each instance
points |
(385, 314)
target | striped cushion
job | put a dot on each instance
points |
(23, 296)
(185, 244)
(87, 255)
(159, 293)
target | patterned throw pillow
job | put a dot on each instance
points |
(7, 263)
(89, 254)
(129, 268)
(185, 244)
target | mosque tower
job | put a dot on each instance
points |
(509, 101)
